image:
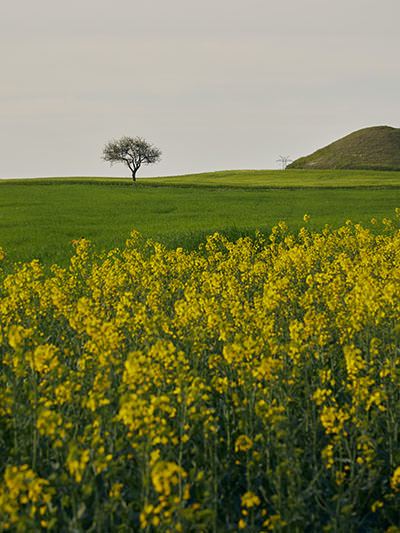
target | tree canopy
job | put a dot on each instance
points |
(133, 151)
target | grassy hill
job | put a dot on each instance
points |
(40, 217)
(278, 179)
(232, 179)
(376, 148)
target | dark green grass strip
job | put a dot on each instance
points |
(40, 222)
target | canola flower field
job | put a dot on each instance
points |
(245, 386)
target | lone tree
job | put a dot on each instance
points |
(134, 152)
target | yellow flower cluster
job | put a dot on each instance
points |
(24, 492)
(248, 386)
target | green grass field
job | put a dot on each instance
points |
(40, 217)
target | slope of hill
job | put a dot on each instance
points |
(375, 148)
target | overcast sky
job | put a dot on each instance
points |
(215, 84)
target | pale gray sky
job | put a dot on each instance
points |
(215, 84)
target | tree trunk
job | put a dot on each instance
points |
(134, 175)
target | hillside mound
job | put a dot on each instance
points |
(375, 148)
